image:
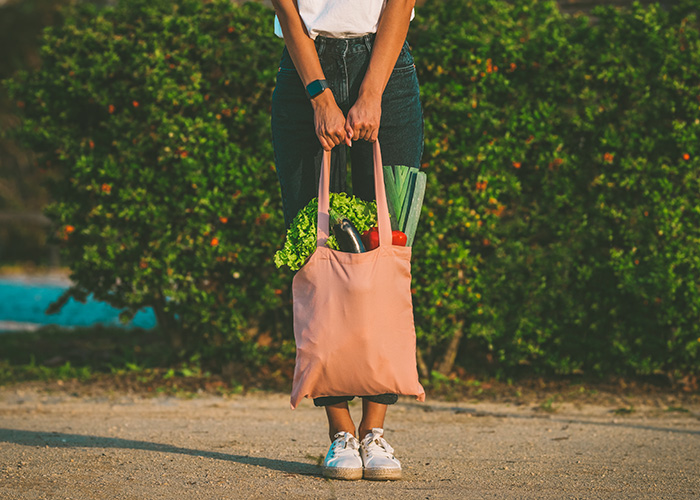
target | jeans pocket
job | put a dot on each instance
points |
(286, 64)
(405, 62)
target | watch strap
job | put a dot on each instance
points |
(315, 88)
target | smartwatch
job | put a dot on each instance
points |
(315, 88)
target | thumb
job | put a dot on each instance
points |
(348, 128)
(350, 133)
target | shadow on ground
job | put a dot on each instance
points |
(62, 440)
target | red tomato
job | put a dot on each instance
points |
(399, 238)
(370, 238)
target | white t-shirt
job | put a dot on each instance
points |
(339, 18)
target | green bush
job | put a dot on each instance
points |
(22, 236)
(494, 95)
(563, 209)
(155, 115)
(560, 227)
(604, 246)
(605, 242)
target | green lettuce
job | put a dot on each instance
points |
(300, 242)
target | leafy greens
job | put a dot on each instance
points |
(300, 242)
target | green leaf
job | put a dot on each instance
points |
(415, 207)
(391, 196)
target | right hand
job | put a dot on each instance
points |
(329, 121)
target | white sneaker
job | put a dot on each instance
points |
(343, 458)
(378, 457)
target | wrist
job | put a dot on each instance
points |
(370, 94)
(323, 99)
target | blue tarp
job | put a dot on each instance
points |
(26, 302)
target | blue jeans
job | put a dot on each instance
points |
(298, 152)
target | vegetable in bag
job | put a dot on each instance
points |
(300, 241)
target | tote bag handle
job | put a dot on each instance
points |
(323, 221)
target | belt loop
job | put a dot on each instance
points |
(368, 42)
(320, 45)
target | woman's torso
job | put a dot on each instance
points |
(339, 18)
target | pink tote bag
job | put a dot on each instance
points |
(353, 312)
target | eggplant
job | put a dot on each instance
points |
(347, 236)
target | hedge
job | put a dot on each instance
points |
(560, 227)
(152, 114)
(562, 231)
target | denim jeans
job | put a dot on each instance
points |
(298, 152)
(385, 399)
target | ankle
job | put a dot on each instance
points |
(362, 431)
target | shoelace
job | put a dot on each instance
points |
(374, 441)
(343, 441)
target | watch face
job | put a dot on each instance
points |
(316, 87)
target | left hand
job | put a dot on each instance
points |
(363, 119)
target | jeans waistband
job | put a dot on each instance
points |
(328, 43)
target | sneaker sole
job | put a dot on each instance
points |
(342, 473)
(382, 474)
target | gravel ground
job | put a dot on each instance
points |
(127, 446)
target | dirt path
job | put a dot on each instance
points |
(131, 447)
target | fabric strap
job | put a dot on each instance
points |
(323, 221)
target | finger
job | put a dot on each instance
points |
(322, 139)
(340, 136)
(350, 123)
(353, 127)
(326, 141)
(349, 134)
(357, 131)
(333, 137)
(330, 141)
(352, 132)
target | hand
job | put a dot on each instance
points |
(364, 119)
(329, 121)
